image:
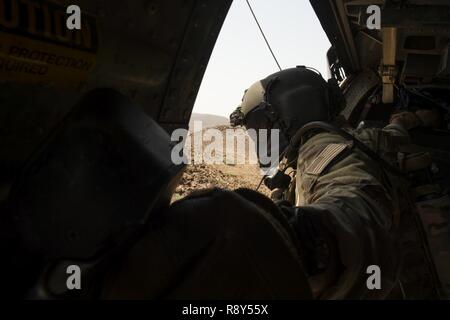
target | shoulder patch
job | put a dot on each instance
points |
(325, 157)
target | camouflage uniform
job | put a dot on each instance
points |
(347, 212)
(351, 213)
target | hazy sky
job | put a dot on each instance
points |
(241, 57)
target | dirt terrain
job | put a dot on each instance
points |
(224, 175)
(208, 120)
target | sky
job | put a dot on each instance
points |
(241, 57)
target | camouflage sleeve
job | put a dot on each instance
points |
(395, 130)
(341, 237)
(345, 220)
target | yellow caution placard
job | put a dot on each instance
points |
(37, 48)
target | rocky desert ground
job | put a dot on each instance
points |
(224, 173)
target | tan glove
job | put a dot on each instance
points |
(429, 118)
(421, 118)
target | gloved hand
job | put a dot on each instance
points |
(421, 118)
(429, 118)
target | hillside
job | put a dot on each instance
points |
(223, 175)
(208, 120)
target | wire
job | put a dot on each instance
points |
(262, 32)
(260, 182)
